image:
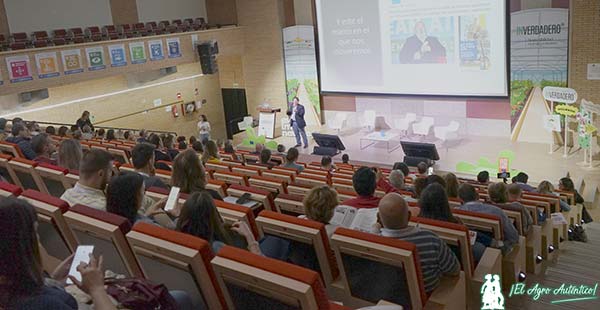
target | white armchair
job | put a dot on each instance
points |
(369, 119)
(423, 127)
(403, 124)
(446, 133)
(338, 122)
(247, 122)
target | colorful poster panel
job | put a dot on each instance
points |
(117, 55)
(47, 65)
(137, 52)
(19, 68)
(72, 61)
(95, 58)
(156, 50)
(174, 47)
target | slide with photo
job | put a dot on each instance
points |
(420, 47)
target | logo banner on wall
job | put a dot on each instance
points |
(95, 58)
(117, 55)
(174, 47)
(71, 60)
(47, 65)
(301, 70)
(156, 50)
(19, 68)
(137, 52)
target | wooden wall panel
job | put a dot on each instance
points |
(124, 11)
(222, 12)
(584, 43)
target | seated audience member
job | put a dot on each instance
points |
(514, 195)
(405, 170)
(84, 120)
(125, 196)
(23, 283)
(73, 128)
(159, 153)
(451, 185)
(435, 257)
(77, 135)
(87, 133)
(396, 179)
(265, 158)
(43, 148)
(566, 184)
(22, 138)
(434, 205)
(470, 197)
(3, 134)
(180, 139)
(182, 146)
(143, 135)
(281, 149)
(198, 148)
(211, 152)
(364, 182)
(199, 217)
(142, 156)
(228, 149)
(95, 171)
(319, 205)
(51, 130)
(291, 158)
(62, 131)
(545, 187)
(127, 135)
(346, 159)
(327, 164)
(70, 154)
(100, 133)
(169, 143)
(421, 183)
(422, 169)
(258, 147)
(189, 174)
(110, 135)
(521, 179)
(34, 128)
(499, 194)
(192, 140)
(483, 177)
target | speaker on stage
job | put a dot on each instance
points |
(329, 145)
(416, 152)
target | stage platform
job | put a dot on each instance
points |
(532, 158)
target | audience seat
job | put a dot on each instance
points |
(375, 268)
(274, 186)
(19, 37)
(309, 242)
(10, 149)
(40, 35)
(164, 175)
(179, 261)
(286, 170)
(18, 46)
(59, 33)
(286, 176)
(105, 231)
(71, 178)
(52, 178)
(265, 198)
(230, 177)
(250, 281)
(8, 190)
(311, 180)
(4, 173)
(299, 189)
(54, 234)
(217, 166)
(218, 186)
(247, 170)
(232, 213)
(22, 171)
(119, 154)
(289, 204)
(59, 41)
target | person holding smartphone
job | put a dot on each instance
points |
(22, 281)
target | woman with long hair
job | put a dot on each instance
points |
(211, 152)
(199, 217)
(291, 158)
(203, 128)
(451, 185)
(70, 154)
(434, 204)
(22, 283)
(110, 135)
(84, 120)
(545, 187)
(567, 185)
(125, 196)
(189, 174)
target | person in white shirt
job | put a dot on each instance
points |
(94, 174)
(204, 129)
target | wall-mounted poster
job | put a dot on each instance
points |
(47, 65)
(95, 58)
(117, 55)
(137, 52)
(19, 68)
(156, 50)
(71, 60)
(174, 47)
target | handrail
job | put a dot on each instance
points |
(141, 111)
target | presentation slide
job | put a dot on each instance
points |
(413, 47)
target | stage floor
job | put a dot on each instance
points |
(532, 158)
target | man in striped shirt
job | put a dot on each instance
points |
(435, 257)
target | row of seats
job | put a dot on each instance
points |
(58, 37)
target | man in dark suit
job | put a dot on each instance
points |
(422, 48)
(297, 122)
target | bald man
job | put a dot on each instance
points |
(434, 255)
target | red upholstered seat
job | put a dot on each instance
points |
(45, 198)
(11, 148)
(280, 268)
(247, 211)
(119, 221)
(10, 188)
(253, 190)
(53, 167)
(481, 215)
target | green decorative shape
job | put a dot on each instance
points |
(465, 167)
(484, 164)
(271, 145)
